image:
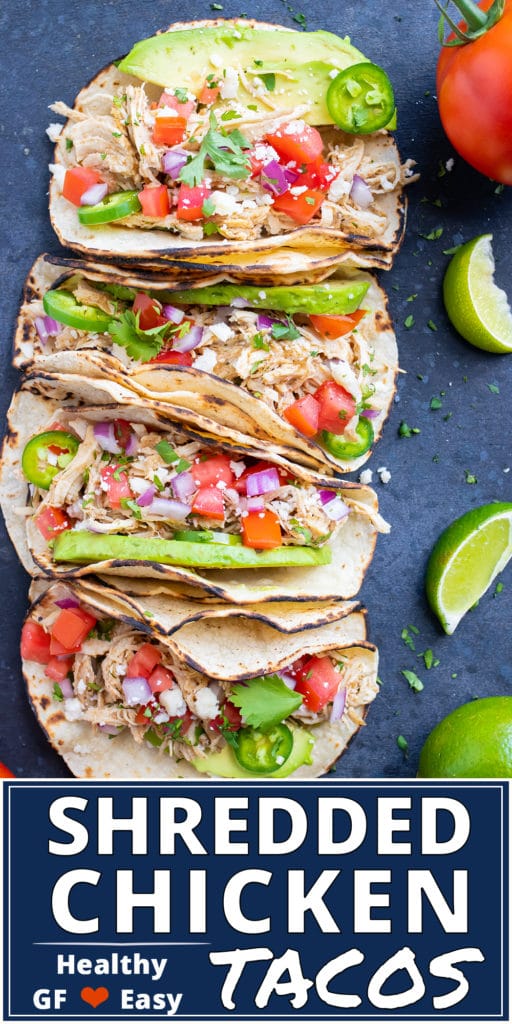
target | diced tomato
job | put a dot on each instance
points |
(337, 407)
(5, 773)
(161, 679)
(118, 488)
(154, 200)
(169, 129)
(303, 146)
(122, 433)
(261, 530)
(71, 628)
(190, 202)
(303, 415)
(77, 181)
(186, 721)
(301, 208)
(142, 664)
(149, 310)
(142, 718)
(318, 681)
(294, 669)
(35, 643)
(209, 94)
(232, 714)
(56, 648)
(213, 470)
(285, 476)
(52, 521)
(209, 502)
(173, 358)
(57, 669)
(168, 99)
(336, 326)
(317, 174)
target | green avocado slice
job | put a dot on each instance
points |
(182, 58)
(225, 764)
(335, 297)
(83, 547)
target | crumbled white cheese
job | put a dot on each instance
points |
(229, 86)
(297, 190)
(333, 73)
(72, 709)
(262, 295)
(237, 468)
(366, 476)
(139, 485)
(222, 331)
(81, 686)
(384, 474)
(59, 173)
(161, 717)
(206, 703)
(449, 164)
(121, 669)
(264, 153)
(225, 204)
(173, 702)
(206, 361)
(54, 130)
(297, 127)
(339, 188)
(343, 374)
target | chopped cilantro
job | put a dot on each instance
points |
(181, 95)
(208, 207)
(258, 341)
(300, 19)
(139, 344)
(405, 431)
(411, 298)
(454, 675)
(57, 692)
(432, 235)
(498, 588)
(403, 745)
(414, 629)
(429, 659)
(167, 453)
(435, 458)
(499, 189)
(229, 115)
(210, 228)
(436, 403)
(414, 682)
(269, 81)
(407, 639)
(309, 200)
(132, 506)
(224, 150)
(494, 388)
(264, 701)
(441, 168)
(285, 332)
(157, 482)
(255, 366)
(470, 478)
(69, 144)
(432, 325)
(409, 321)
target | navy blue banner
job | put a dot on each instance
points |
(318, 901)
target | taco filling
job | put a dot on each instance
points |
(107, 674)
(236, 153)
(116, 489)
(313, 369)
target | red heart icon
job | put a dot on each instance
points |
(94, 996)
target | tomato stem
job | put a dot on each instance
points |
(478, 22)
(473, 15)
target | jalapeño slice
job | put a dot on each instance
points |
(62, 306)
(360, 99)
(46, 455)
(341, 448)
(264, 752)
(113, 207)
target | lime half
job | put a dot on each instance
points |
(466, 559)
(477, 308)
(472, 742)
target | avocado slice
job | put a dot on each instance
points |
(225, 764)
(183, 58)
(83, 547)
(336, 297)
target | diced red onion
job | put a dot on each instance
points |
(94, 194)
(104, 434)
(326, 496)
(370, 414)
(256, 503)
(136, 690)
(273, 178)
(183, 486)
(263, 482)
(68, 602)
(109, 730)
(291, 176)
(173, 162)
(338, 706)
(337, 510)
(133, 445)
(147, 496)
(173, 314)
(361, 192)
(189, 340)
(175, 510)
(45, 327)
(265, 321)
(67, 688)
(287, 679)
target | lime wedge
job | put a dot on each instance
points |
(466, 559)
(477, 308)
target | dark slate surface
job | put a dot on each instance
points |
(52, 49)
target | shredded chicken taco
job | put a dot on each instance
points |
(310, 367)
(117, 702)
(83, 491)
(230, 136)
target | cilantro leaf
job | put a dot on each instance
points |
(224, 150)
(412, 679)
(285, 332)
(139, 344)
(264, 701)
(57, 692)
(167, 453)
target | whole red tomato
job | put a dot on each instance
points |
(5, 772)
(474, 92)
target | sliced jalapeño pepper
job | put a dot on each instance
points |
(113, 207)
(62, 306)
(341, 448)
(46, 455)
(264, 752)
(360, 99)
(207, 537)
